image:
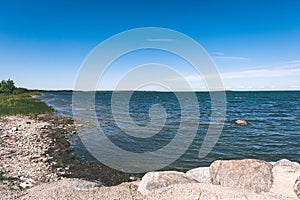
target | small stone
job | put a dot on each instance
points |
(15, 128)
(44, 127)
(54, 163)
(35, 156)
(45, 159)
(4, 135)
(62, 173)
(85, 185)
(14, 187)
(59, 169)
(29, 180)
(25, 185)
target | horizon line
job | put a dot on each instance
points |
(259, 90)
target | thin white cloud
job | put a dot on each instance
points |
(294, 64)
(284, 69)
(160, 40)
(290, 64)
(237, 58)
(294, 61)
(216, 53)
(251, 74)
(222, 56)
(282, 76)
(195, 77)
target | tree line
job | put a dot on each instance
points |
(7, 87)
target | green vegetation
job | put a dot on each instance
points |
(22, 104)
(20, 91)
(7, 87)
(15, 101)
(3, 178)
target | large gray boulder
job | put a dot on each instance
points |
(155, 180)
(200, 174)
(285, 174)
(250, 174)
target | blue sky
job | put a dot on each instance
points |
(255, 44)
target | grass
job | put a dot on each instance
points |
(1, 175)
(22, 104)
(3, 178)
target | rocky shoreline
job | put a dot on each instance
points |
(35, 149)
(37, 163)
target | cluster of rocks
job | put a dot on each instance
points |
(232, 179)
(281, 178)
(24, 147)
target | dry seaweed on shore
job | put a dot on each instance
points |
(62, 155)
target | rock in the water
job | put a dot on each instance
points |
(156, 180)
(242, 122)
(200, 174)
(285, 173)
(297, 187)
(249, 174)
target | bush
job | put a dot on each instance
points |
(20, 91)
(7, 87)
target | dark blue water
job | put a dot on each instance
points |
(274, 132)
